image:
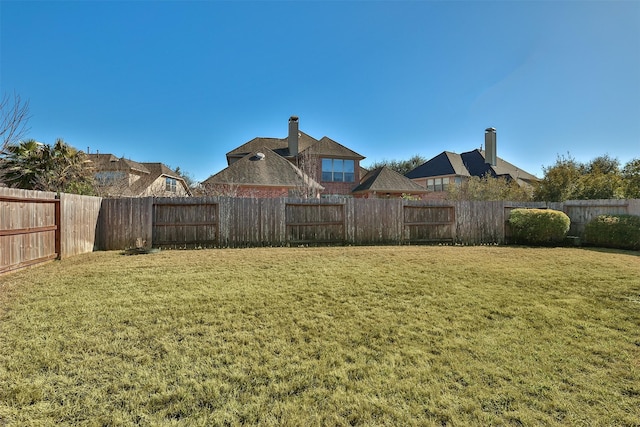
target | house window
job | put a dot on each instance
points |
(171, 184)
(109, 177)
(338, 170)
(438, 184)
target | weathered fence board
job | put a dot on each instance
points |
(185, 222)
(125, 223)
(79, 223)
(315, 222)
(429, 224)
(377, 221)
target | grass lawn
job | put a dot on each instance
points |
(397, 336)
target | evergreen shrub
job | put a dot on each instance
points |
(614, 231)
(538, 226)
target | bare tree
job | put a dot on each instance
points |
(309, 164)
(14, 115)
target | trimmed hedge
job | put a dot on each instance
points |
(538, 226)
(614, 231)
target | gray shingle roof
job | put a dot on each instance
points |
(387, 180)
(277, 145)
(471, 163)
(148, 172)
(306, 145)
(270, 170)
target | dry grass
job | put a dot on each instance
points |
(324, 336)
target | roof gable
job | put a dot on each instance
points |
(384, 179)
(330, 148)
(263, 168)
(445, 163)
(277, 145)
(109, 162)
(470, 163)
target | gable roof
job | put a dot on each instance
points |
(306, 145)
(148, 172)
(109, 162)
(330, 148)
(277, 145)
(263, 167)
(445, 163)
(386, 180)
(156, 170)
(471, 163)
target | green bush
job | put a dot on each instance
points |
(538, 226)
(614, 231)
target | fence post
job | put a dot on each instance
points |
(58, 232)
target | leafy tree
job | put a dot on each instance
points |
(488, 188)
(568, 179)
(561, 181)
(631, 179)
(400, 166)
(32, 165)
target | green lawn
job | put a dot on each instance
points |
(324, 336)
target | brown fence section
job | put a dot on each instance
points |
(315, 223)
(426, 224)
(30, 231)
(185, 223)
(240, 222)
(79, 219)
(38, 226)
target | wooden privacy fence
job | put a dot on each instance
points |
(38, 226)
(30, 232)
(241, 222)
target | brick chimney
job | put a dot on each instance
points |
(293, 136)
(490, 149)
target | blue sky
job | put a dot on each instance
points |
(185, 82)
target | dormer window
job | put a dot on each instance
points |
(171, 184)
(338, 170)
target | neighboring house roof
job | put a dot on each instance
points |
(148, 173)
(277, 145)
(263, 167)
(109, 162)
(306, 144)
(471, 163)
(330, 148)
(386, 180)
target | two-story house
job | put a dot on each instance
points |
(316, 167)
(120, 177)
(303, 166)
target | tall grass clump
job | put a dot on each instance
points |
(614, 231)
(538, 226)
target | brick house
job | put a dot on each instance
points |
(316, 167)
